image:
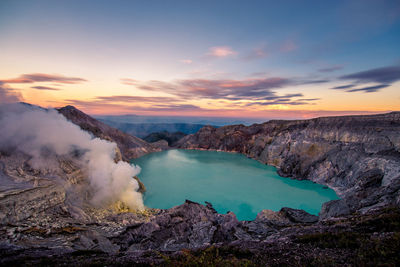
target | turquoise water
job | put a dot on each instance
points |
(230, 181)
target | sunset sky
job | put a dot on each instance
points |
(262, 59)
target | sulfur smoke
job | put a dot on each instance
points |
(44, 134)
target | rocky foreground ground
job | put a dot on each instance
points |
(45, 218)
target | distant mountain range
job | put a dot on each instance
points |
(144, 129)
(171, 138)
(157, 127)
(215, 121)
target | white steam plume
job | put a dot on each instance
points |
(40, 133)
(8, 95)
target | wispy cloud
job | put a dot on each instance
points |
(261, 91)
(284, 96)
(9, 95)
(221, 52)
(347, 86)
(42, 77)
(288, 46)
(331, 68)
(128, 81)
(369, 89)
(281, 102)
(105, 105)
(288, 99)
(383, 77)
(309, 99)
(134, 104)
(310, 81)
(217, 89)
(138, 102)
(45, 88)
(258, 74)
(186, 61)
(256, 53)
(135, 99)
(388, 74)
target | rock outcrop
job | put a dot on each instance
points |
(357, 156)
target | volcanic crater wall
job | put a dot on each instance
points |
(358, 156)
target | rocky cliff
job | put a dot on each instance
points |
(358, 156)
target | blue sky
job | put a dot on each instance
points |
(313, 43)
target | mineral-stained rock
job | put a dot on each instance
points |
(142, 187)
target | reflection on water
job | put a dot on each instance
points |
(231, 182)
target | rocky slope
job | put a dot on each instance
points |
(48, 207)
(195, 235)
(45, 216)
(358, 156)
(130, 146)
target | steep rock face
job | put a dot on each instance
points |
(358, 156)
(130, 146)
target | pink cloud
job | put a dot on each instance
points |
(260, 53)
(247, 89)
(186, 61)
(221, 51)
(256, 53)
(288, 46)
(128, 81)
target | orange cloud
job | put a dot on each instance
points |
(128, 81)
(221, 51)
(186, 61)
